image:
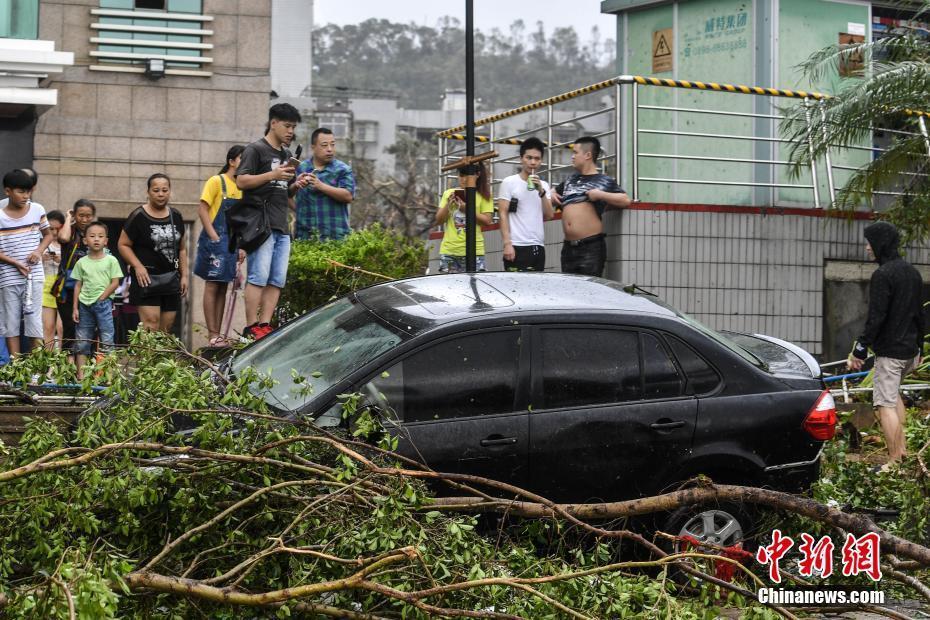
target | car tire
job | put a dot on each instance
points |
(724, 524)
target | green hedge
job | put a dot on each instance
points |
(312, 280)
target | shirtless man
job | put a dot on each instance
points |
(583, 199)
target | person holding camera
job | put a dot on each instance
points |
(524, 205)
(451, 215)
(259, 224)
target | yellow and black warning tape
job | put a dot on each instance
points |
(512, 141)
(533, 106)
(647, 81)
(729, 88)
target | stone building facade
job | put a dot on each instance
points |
(115, 125)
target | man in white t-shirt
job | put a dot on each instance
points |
(524, 204)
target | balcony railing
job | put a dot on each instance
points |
(684, 141)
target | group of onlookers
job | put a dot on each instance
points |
(62, 262)
(58, 276)
(525, 202)
(245, 209)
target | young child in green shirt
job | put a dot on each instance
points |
(98, 275)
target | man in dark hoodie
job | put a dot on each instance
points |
(894, 330)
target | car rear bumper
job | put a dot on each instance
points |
(794, 477)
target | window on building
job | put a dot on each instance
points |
(155, 5)
(338, 122)
(19, 19)
(366, 131)
(152, 29)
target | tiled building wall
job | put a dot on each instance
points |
(761, 273)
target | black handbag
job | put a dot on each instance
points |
(248, 226)
(163, 284)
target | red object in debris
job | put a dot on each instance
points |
(723, 570)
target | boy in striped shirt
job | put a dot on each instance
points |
(24, 236)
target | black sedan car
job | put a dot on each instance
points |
(576, 388)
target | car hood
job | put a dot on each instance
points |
(781, 357)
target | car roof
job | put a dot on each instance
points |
(419, 304)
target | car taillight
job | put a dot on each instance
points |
(820, 422)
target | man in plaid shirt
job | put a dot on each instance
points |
(323, 205)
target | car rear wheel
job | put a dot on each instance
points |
(705, 529)
(717, 527)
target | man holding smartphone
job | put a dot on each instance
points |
(266, 178)
(327, 190)
(523, 206)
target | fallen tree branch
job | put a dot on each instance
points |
(857, 524)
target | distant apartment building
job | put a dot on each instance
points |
(368, 122)
(139, 86)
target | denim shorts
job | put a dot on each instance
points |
(214, 262)
(268, 264)
(456, 264)
(585, 256)
(93, 318)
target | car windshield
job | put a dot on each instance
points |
(747, 355)
(323, 347)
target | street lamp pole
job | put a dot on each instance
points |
(471, 169)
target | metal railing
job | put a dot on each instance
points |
(626, 130)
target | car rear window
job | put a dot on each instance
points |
(701, 377)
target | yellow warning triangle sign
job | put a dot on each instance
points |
(662, 48)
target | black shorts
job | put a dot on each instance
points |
(585, 256)
(167, 303)
(527, 258)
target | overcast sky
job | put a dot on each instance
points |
(582, 14)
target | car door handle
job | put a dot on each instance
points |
(497, 440)
(667, 425)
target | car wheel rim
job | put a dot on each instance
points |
(716, 527)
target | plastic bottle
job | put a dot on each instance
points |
(27, 301)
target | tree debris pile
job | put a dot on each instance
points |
(249, 515)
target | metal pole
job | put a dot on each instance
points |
(826, 140)
(635, 131)
(441, 185)
(491, 136)
(618, 169)
(923, 130)
(550, 118)
(471, 262)
(810, 151)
